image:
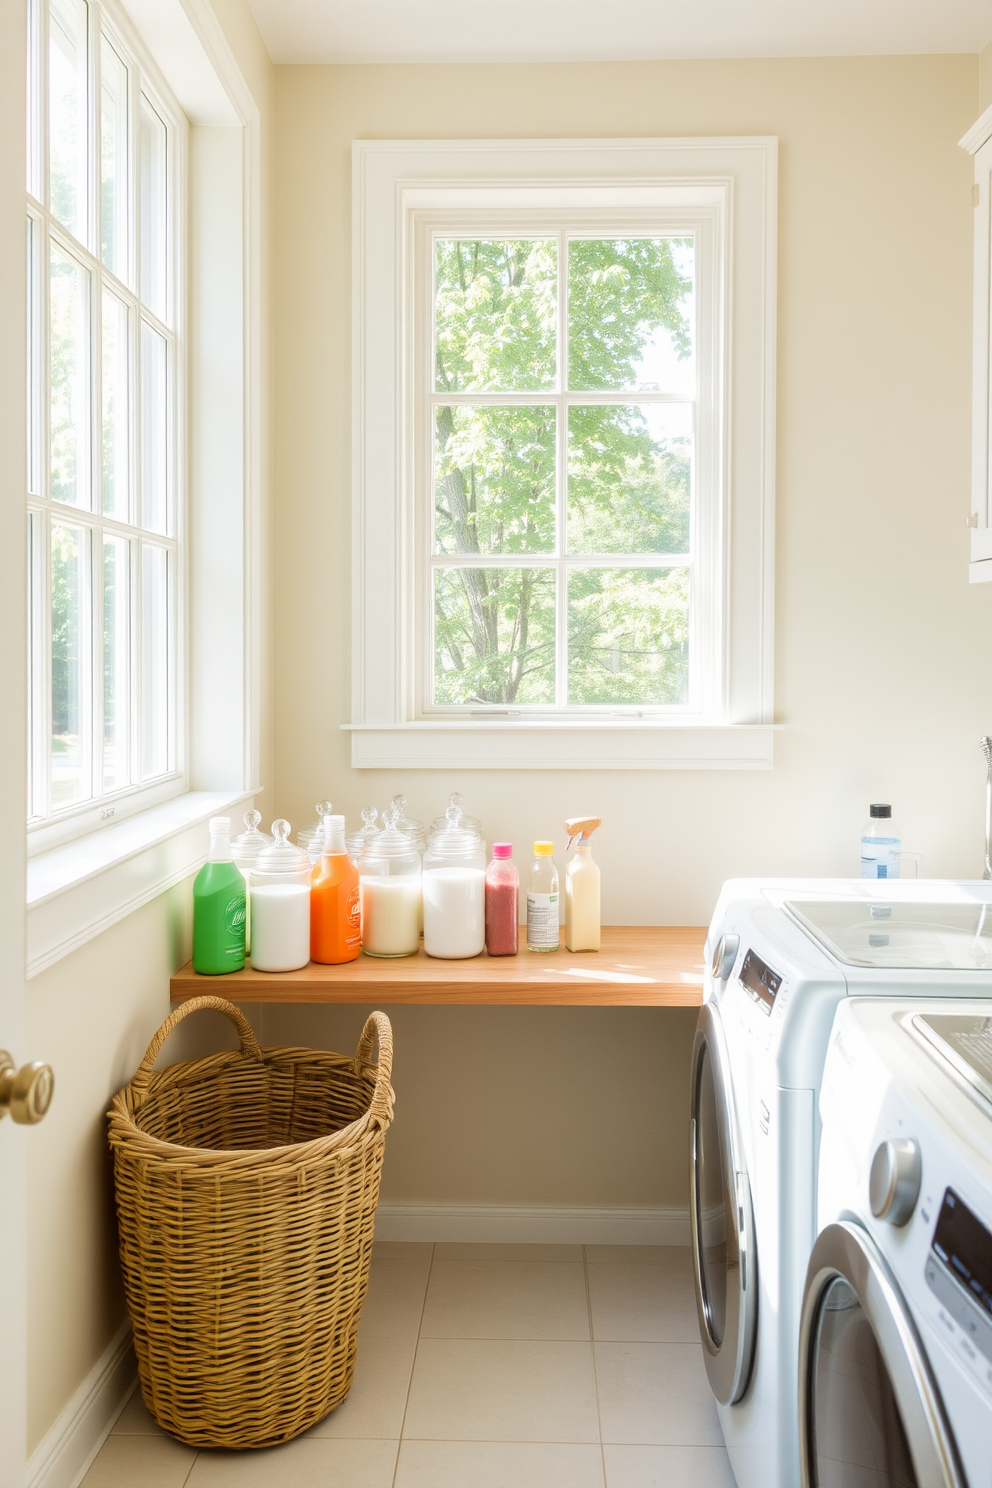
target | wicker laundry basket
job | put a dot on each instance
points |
(246, 1193)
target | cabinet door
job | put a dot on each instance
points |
(981, 466)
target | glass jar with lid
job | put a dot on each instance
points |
(355, 841)
(389, 885)
(311, 838)
(244, 850)
(470, 823)
(280, 904)
(454, 890)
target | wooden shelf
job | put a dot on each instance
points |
(638, 966)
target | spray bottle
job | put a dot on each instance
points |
(582, 887)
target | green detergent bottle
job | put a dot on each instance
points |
(219, 907)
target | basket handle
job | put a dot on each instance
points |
(378, 1029)
(249, 1043)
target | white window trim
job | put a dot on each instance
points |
(111, 22)
(393, 182)
(79, 888)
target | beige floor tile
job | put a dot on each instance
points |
(395, 1299)
(668, 1467)
(306, 1463)
(506, 1299)
(402, 1250)
(651, 1255)
(140, 1462)
(634, 1301)
(378, 1395)
(656, 1394)
(499, 1465)
(502, 1390)
(134, 1419)
(452, 1251)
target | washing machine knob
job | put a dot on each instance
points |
(894, 1181)
(724, 957)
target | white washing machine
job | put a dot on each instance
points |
(895, 1381)
(783, 954)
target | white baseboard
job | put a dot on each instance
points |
(63, 1458)
(549, 1226)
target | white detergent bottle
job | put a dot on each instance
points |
(582, 912)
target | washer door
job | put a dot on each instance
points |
(869, 1407)
(722, 1223)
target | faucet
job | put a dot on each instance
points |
(986, 748)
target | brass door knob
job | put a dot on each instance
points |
(25, 1093)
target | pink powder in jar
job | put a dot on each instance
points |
(502, 895)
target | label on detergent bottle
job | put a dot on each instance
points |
(880, 857)
(542, 922)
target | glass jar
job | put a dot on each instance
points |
(389, 885)
(470, 823)
(355, 841)
(454, 890)
(311, 838)
(280, 904)
(244, 850)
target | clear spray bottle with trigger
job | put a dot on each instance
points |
(582, 912)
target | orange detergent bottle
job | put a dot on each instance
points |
(335, 919)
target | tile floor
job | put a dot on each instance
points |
(489, 1366)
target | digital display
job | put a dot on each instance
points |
(759, 982)
(965, 1246)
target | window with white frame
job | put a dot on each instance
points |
(105, 189)
(564, 401)
(562, 509)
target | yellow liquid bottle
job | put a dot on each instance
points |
(582, 888)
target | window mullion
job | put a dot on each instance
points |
(96, 652)
(561, 482)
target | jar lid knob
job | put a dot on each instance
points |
(252, 819)
(280, 831)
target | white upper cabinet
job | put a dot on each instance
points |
(978, 142)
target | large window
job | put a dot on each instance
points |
(105, 400)
(564, 402)
(562, 572)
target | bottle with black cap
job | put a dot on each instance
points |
(881, 844)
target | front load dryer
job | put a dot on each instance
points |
(895, 1370)
(782, 955)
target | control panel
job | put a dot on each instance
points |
(958, 1272)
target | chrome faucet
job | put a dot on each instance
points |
(986, 747)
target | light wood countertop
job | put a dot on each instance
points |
(638, 966)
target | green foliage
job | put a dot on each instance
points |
(628, 492)
(620, 292)
(496, 311)
(628, 477)
(628, 635)
(494, 635)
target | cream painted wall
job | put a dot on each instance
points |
(882, 680)
(92, 1014)
(985, 78)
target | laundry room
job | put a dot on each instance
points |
(496, 564)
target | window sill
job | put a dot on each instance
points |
(550, 745)
(78, 890)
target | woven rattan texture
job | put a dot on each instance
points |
(247, 1185)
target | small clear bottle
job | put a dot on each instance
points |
(389, 882)
(455, 891)
(502, 902)
(542, 900)
(881, 843)
(280, 904)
